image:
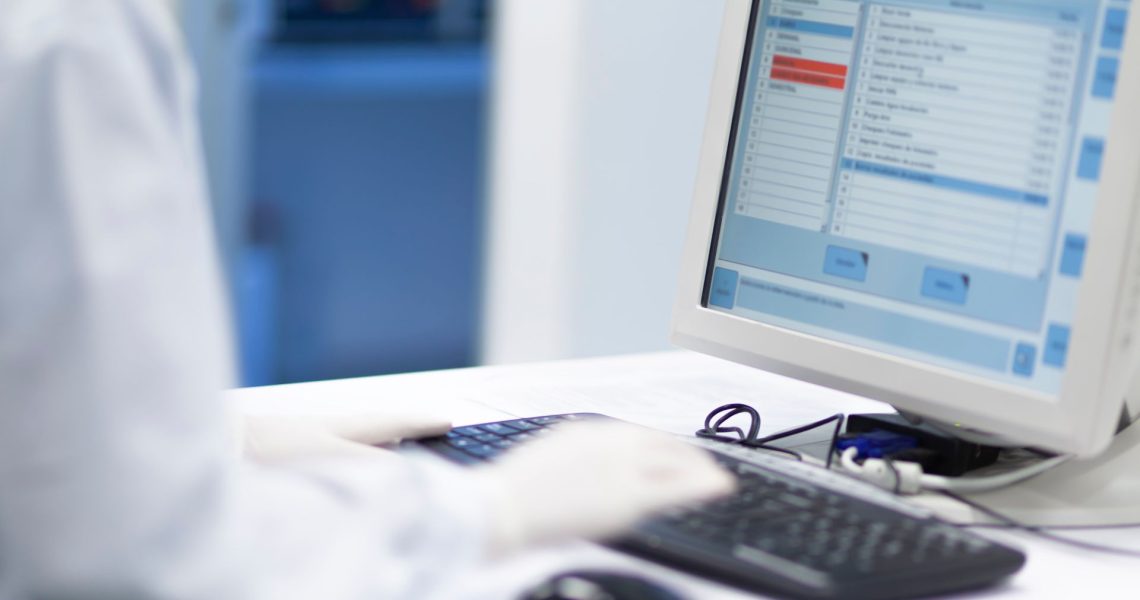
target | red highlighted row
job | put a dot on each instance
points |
(809, 72)
(836, 83)
(815, 66)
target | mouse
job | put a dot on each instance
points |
(599, 585)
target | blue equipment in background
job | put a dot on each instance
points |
(364, 255)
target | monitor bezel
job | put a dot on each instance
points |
(1080, 420)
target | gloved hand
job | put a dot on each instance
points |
(594, 480)
(280, 439)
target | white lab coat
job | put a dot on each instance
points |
(117, 480)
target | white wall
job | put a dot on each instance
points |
(598, 113)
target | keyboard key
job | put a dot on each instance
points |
(481, 450)
(499, 428)
(452, 453)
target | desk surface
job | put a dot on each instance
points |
(670, 391)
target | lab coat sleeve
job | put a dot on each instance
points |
(117, 478)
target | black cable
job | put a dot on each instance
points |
(837, 419)
(840, 419)
(740, 442)
(731, 410)
(1043, 532)
(792, 453)
(715, 429)
(800, 429)
(1007, 527)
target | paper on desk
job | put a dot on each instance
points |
(375, 396)
(671, 392)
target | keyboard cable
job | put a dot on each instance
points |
(716, 428)
(1043, 532)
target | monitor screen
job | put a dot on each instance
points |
(918, 177)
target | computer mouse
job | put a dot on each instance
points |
(599, 585)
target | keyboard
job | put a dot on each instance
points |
(790, 530)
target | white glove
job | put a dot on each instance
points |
(594, 480)
(280, 439)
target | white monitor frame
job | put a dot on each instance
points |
(1081, 420)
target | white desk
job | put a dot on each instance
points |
(673, 392)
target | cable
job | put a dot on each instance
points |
(840, 419)
(799, 456)
(1006, 526)
(973, 485)
(1043, 532)
(715, 429)
(878, 469)
(902, 478)
(897, 475)
(908, 478)
(836, 418)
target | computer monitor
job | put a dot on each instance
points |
(926, 202)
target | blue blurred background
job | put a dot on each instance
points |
(367, 133)
(357, 248)
(408, 185)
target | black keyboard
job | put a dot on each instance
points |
(784, 534)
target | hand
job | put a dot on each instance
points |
(594, 480)
(280, 439)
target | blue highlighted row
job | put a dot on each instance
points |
(951, 183)
(802, 26)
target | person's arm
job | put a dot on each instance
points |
(117, 476)
(116, 479)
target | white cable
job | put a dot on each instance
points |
(973, 485)
(908, 478)
(847, 461)
(898, 477)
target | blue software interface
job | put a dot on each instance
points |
(918, 176)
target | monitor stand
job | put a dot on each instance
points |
(1103, 491)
